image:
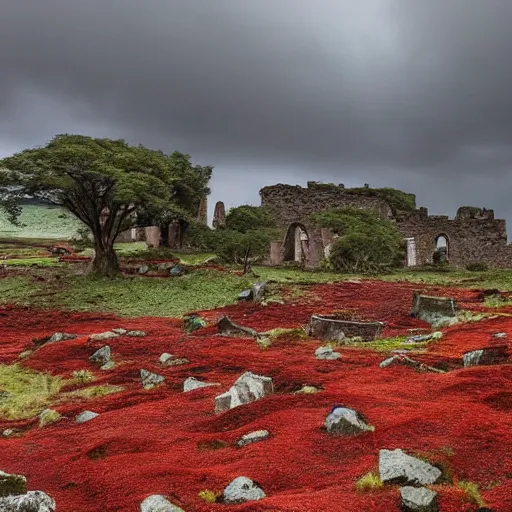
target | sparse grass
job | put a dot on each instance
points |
(209, 496)
(383, 345)
(369, 482)
(280, 332)
(90, 392)
(17, 289)
(30, 392)
(28, 262)
(472, 492)
(83, 376)
(48, 417)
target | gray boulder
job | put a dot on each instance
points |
(247, 388)
(396, 467)
(61, 336)
(192, 383)
(253, 437)
(85, 416)
(119, 330)
(158, 503)
(150, 379)
(347, 422)
(418, 499)
(226, 327)
(101, 356)
(242, 489)
(136, 334)
(32, 501)
(103, 336)
(326, 353)
(12, 484)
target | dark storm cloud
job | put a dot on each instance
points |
(411, 93)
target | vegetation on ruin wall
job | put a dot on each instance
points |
(366, 243)
(397, 199)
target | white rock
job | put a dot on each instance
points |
(32, 501)
(165, 357)
(86, 416)
(247, 388)
(192, 383)
(150, 379)
(158, 503)
(61, 336)
(136, 334)
(395, 466)
(101, 356)
(345, 421)
(103, 336)
(253, 437)
(119, 330)
(242, 489)
(418, 499)
(326, 353)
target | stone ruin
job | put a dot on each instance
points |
(473, 236)
(219, 216)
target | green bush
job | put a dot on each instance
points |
(232, 246)
(248, 218)
(477, 266)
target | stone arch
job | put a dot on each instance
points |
(442, 248)
(297, 243)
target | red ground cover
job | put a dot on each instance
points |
(161, 441)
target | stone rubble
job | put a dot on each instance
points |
(326, 353)
(396, 467)
(150, 379)
(347, 422)
(253, 437)
(242, 489)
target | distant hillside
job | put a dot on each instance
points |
(41, 221)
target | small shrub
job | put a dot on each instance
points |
(209, 496)
(472, 492)
(83, 376)
(369, 482)
(477, 266)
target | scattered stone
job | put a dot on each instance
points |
(109, 365)
(176, 270)
(307, 390)
(245, 295)
(347, 422)
(10, 432)
(48, 416)
(336, 328)
(485, 356)
(102, 356)
(242, 489)
(396, 467)
(258, 291)
(402, 359)
(119, 330)
(158, 503)
(150, 379)
(143, 269)
(253, 437)
(500, 335)
(178, 362)
(192, 383)
(165, 357)
(25, 354)
(247, 388)
(12, 484)
(103, 336)
(86, 416)
(326, 353)
(32, 501)
(226, 327)
(424, 337)
(418, 499)
(136, 334)
(61, 336)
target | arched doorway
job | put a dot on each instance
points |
(441, 253)
(297, 243)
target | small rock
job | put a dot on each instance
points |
(499, 335)
(86, 416)
(418, 499)
(245, 295)
(247, 388)
(326, 353)
(395, 466)
(307, 390)
(242, 489)
(192, 383)
(109, 365)
(103, 336)
(101, 356)
(10, 432)
(176, 270)
(119, 330)
(61, 336)
(150, 379)
(25, 354)
(48, 416)
(158, 503)
(143, 269)
(253, 437)
(136, 334)
(165, 357)
(226, 327)
(12, 484)
(404, 360)
(193, 322)
(258, 291)
(345, 421)
(177, 362)
(32, 501)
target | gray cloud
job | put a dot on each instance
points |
(413, 94)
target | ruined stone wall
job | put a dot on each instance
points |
(474, 235)
(289, 203)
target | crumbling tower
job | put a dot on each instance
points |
(219, 216)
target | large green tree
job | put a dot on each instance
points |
(106, 184)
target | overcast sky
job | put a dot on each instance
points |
(415, 94)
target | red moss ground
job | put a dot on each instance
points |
(163, 441)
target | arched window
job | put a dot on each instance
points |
(296, 243)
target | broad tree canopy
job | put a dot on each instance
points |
(105, 183)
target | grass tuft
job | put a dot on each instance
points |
(209, 496)
(369, 482)
(472, 492)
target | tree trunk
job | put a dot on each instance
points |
(105, 262)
